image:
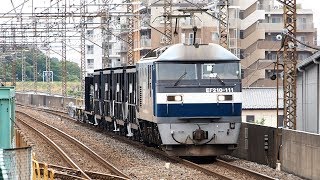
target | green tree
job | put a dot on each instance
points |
(73, 70)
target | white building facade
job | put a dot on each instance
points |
(96, 44)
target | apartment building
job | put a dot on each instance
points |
(96, 42)
(141, 31)
(261, 21)
(182, 27)
(253, 27)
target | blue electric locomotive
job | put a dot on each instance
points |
(184, 98)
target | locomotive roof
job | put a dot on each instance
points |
(183, 52)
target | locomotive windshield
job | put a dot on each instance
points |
(220, 70)
(179, 71)
(176, 71)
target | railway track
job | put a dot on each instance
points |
(219, 169)
(33, 124)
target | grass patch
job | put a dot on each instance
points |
(73, 88)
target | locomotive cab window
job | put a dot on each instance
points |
(221, 70)
(174, 71)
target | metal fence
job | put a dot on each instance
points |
(16, 163)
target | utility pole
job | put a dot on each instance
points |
(64, 60)
(130, 60)
(290, 64)
(224, 23)
(34, 53)
(82, 47)
(23, 63)
(289, 72)
(14, 58)
(167, 21)
(105, 21)
(48, 75)
(3, 64)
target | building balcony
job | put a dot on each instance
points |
(253, 57)
(271, 27)
(181, 3)
(123, 48)
(258, 34)
(233, 43)
(269, 8)
(252, 18)
(142, 44)
(145, 43)
(246, 4)
(188, 24)
(253, 77)
(189, 41)
(305, 27)
(269, 45)
(234, 23)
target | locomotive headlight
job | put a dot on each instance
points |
(221, 98)
(224, 97)
(178, 98)
(174, 98)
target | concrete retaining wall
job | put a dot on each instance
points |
(56, 102)
(257, 144)
(300, 154)
(23, 98)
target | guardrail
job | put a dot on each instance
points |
(41, 170)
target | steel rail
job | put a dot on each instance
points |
(177, 159)
(94, 155)
(244, 170)
(56, 147)
(202, 169)
(150, 149)
(93, 175)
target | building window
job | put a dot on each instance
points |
(271, 56)
(190, 39)
(250, 118)
(90, 19)
(302, 23)
(89, 32)
(89, 49)
(215, 37)
(280, 120)
(274, 37)
(90, 63)
(275, 20)
(241, 34)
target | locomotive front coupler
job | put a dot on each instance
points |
(200, 134)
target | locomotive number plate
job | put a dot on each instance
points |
(214, 90)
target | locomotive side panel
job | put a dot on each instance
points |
(145, 91)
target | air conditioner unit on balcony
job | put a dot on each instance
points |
(163, 40)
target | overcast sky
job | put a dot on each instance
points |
(315, 6)
(6, 5)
